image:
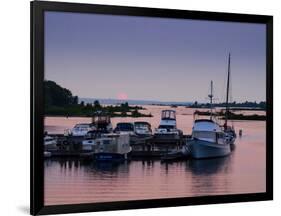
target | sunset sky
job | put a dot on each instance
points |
(105, 56)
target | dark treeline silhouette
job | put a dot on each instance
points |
(55, 95)
(59, 101)
(242, 105)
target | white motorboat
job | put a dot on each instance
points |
(102, 125)
(208, 138)
(50, 143)
(125, 128)
(111, 147)
(143, 129)
(168, 125)
(82, 129)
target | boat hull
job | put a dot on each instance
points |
(201, 149)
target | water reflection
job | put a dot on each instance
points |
(112, 168)
(70, 181)
(209, 166)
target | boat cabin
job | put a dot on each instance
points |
(168, 115)
(140, 125)
(113, 143)
(82, 129)
(168, 120)
(142, 128)
(102, 123)
(208, 130)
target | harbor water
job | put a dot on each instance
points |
(71, 180)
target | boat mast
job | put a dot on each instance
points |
(211, 95)
(227, 92)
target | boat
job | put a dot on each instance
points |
(81, 129)
(112, 147)
(125, 128)
(102, 125)
(208, 140)
(142, 129)
(50, 143)
(208, 137)
(168, 126)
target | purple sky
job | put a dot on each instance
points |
(103, 56)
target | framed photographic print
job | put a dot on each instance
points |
(142, 107)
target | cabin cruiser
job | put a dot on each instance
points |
(111, 147)
(102, 125)
(142, 129)
(125, 128)
(82, 129)
(168, 125)
(208, 140)
(50, 143)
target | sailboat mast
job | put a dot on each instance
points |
(211, 99)
(227, 92)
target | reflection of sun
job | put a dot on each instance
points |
(122, 96)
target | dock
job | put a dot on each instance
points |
(142, 147)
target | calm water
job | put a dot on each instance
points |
(69, 181)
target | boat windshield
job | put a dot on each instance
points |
(101, 119)
(142, 125)
(125, 127)
(168, 114)
(166, 127)
(82, 126)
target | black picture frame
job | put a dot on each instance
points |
(37, 108)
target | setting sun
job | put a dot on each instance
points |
(122, 96)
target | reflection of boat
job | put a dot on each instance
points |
(208, 138)
(111, 166)
(82, 129)
(112, 147)
(174, 156)
(168, 125)
(143, 129)
(125, 128)
(208, 166)
(50, 143)
(47, 154)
